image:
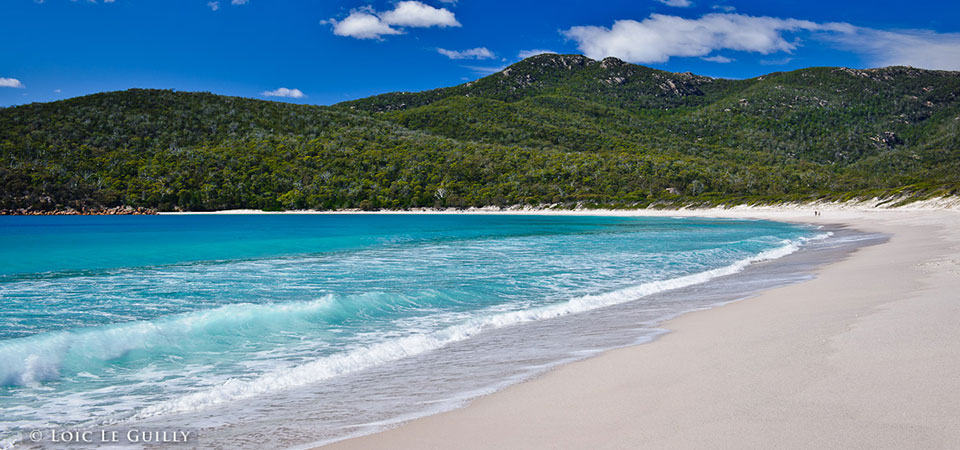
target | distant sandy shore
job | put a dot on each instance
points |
(864, 356)
(799, 209)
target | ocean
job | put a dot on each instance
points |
(268, 331)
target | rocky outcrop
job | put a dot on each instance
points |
(115, 211)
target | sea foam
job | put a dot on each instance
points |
(40, 358)
(361, 358)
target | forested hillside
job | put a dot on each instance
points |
(550, 129)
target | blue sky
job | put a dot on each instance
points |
(323, 52)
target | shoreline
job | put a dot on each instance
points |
(874, 204)
(606, 401)
(745, 283)
(737, 211)
(99, 211)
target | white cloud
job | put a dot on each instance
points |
(366, 23)
(416, 14)
(660, 37)
(524, 54)
(919, 48)
(213, 5)
(473, 53)
(284, 92)
(11, 83)
(718, 59)
(485, 70)
(362, 25)
(776, 62)
(677, 3)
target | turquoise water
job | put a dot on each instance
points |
(120, 318)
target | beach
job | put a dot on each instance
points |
(865, 355)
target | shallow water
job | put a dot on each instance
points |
(286, 330)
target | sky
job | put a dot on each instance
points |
(328, 51)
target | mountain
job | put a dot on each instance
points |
(611, 82)
(549, 129)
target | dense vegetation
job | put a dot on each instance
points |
(550, 129)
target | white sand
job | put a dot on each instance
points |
(864, 356)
